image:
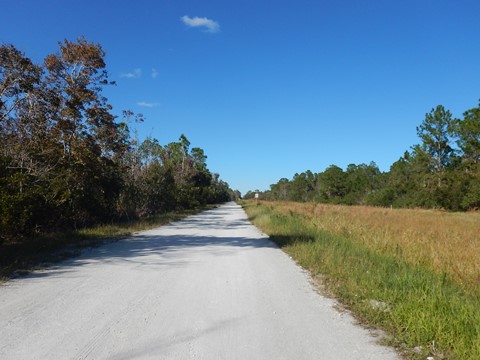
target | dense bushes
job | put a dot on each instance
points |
(67, 162)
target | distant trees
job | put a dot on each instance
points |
(443, 171)
(435, 133)
(353, 186)
(165, 178)
(65, 160)
(467, 135)
(332, 185)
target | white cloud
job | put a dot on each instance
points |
(154, 73)
(135, 74)
(147, 104)
(209, 25)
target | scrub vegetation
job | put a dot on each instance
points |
(413, 273)
(68, 163)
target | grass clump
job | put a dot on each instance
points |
(422, 305)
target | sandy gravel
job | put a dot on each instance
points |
(208, 287)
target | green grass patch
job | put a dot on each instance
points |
(423, 312)
(39, 252)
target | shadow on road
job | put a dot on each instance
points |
(213, 233)
(168, 250)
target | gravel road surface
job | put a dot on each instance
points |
(211, 286)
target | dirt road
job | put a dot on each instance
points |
(208, 287)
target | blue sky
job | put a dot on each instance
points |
(271, 88)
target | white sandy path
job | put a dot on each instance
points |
(208, 287)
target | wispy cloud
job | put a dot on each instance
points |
(135, 74)
(208, 25)
(154, 73)
(147, 104)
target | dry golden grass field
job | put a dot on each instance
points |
(443, 241)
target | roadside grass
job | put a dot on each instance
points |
(378, 262)
(21, 258)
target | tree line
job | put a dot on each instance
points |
(66, 161)
(442, 171)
